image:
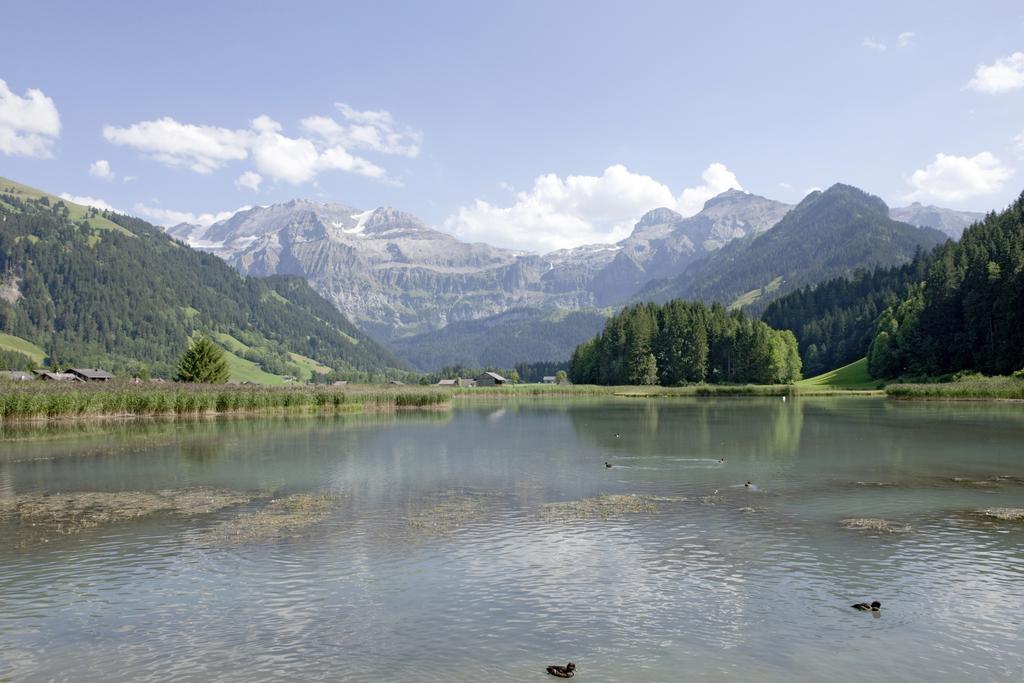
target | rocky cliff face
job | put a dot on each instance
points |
(952, 223)
(396, 276)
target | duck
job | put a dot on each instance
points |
(748, 485)
(721, 460)
(607, 464)
(865, 607)
(567, 671)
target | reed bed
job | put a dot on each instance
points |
(40, 400)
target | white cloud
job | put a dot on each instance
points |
(101, 169)
(1003, 75)
(786, 186)
(29, 125)
(1018, 143)
(249, 180)
(952, 178)
(505, 185)
(372, 130)
(717, 179)
(169, 217)
(872, 45)
(298, 160)
(906, 39)
(559, 213)
(85, 200)
(274, 154)
(201, 148)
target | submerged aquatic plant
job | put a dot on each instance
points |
(279, 518)
(453, 509)
(879, 525)
(603, 506)
(1004, 514)
(72, 513)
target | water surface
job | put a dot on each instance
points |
(440, 558)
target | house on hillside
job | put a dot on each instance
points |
(550, 379)
(48, 376)
(490, 379)
(16, 375)
(91, 374)
(340, 383)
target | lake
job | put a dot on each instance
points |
(489, 542)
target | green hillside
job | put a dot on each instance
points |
(852, 376)
(502, 340)
(103, 289)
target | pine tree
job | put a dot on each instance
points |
(204, 363)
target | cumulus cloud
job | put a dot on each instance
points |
(169, 217)
(201, 148)
(85, 200)
(249, 181)
(29, 125)
(906, 39)
(954, 178)
(1003, 75)
(873, 45)
(717, 179)
(560, 213)
(297, 160)
(372, 130)
(1018, 143)
(325, 145)
(101, 169)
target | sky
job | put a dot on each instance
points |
(529, 125)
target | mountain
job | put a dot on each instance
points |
(948, 221)
(829, 234)
(98, 288)
(502, 340)
(397, 277)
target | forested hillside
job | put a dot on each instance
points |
(835, 321)
(682, 342)
(968, 311)
(114, 291)
(501, 341)
(829, 234)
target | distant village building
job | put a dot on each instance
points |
(48, 376)
(550, 379)
(340, 383)
(91, 374)
(17, 375)
(395, 381)
(457, 382)
(490, 379)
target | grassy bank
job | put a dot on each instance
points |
(41, 400)
(975, 388)
(52, 401)
(852, 376)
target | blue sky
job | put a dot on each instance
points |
(530, 124)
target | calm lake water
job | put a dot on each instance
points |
(438, 557)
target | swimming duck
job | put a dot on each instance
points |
(607, 464)
(865, 607)
(721, 460)
(748, 485)
(567, 671)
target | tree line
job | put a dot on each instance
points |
(683, 342)
(967, 312)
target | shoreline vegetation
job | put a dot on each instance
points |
(46, 402)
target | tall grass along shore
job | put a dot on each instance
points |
(51, 401)
(39, 400)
